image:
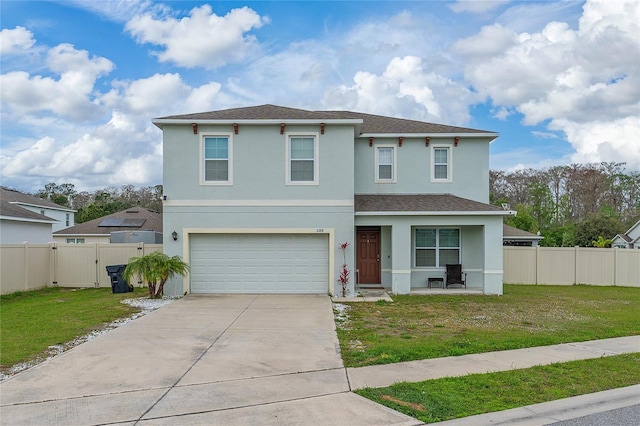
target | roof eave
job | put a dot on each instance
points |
(42, 206)
(490, 136)
(26, 219)
(159, 122)
(437, 213)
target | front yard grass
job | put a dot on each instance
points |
(449, 398)
(32, 321)
(421, 327)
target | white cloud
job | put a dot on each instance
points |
(71, 95)
(203, 39)
(405, 89)
(476, 6)
(583, 82)
(121, 10)
(15, 41)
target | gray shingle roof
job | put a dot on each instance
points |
(370, 123)
(511, 232)
(15, 211)
(152, 221)
(419, 203)
(13, 196)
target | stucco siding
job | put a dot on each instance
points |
(259, 164)
(469, 168)
(16, 232)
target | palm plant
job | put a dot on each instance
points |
(155, 269)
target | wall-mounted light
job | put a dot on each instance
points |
(174, 234)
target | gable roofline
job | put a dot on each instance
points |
(10, 211)
(20, 198)
(364, 124)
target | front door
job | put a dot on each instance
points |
(368, 256)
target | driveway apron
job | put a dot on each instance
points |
(214, 359)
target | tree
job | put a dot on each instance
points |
(594, 226)
(155, 269)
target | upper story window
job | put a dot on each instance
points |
(67, 219)
(216, 163)
(436, 247)
(385, 164)
(441, 164)
(302, 159)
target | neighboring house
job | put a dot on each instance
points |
(260, 199)
(63, 216)
(19, 225)
(630, 239)
(133, 225)
(517, 237)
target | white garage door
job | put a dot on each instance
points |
(259, 263)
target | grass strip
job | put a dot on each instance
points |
(433, 326)
(450, 398)
(32, 321)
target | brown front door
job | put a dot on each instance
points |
(368, 256)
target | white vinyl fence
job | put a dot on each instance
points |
(33, 266)
(572, 265)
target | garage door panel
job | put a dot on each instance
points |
(259, 263)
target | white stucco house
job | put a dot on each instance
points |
(630, 239)
(261, 198)
(26, 218)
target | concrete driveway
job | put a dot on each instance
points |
(219, 359)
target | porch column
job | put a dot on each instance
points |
(493, 253)
(401, 259)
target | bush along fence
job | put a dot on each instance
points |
(32, 266)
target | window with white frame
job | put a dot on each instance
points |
(441, 164)
(385, 164)
(216, 159)
(436, 247)
(302, 159)
(75, 240)
(67, 219)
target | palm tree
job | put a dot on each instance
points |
(155, 269)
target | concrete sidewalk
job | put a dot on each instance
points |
(377, 376)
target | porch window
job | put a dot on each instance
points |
(436, 247)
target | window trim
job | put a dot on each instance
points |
(393, 165)
(316, 158)
(229, 180)
(449, 164)
(437, 247)
(75, 241)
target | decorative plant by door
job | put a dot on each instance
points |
(344, 272)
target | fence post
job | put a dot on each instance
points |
(53, 264)
(575, 265)
(615, 266)
(25, 245)
(537, 261)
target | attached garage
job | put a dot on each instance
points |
(259, 263)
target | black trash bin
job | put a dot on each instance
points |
(118, 284)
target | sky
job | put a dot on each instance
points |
(82, 80)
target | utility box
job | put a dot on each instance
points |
(147, 237)
(118, 283)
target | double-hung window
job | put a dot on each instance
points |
(436, 247)
(302, 159)
(385, 164)
(441, 164)
(216, 160)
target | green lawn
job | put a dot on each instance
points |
(32, 321)
(449, 398)
(421, 327)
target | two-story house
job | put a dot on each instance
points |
(259, 200)
(26, 218)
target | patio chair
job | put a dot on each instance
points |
(454, 275)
